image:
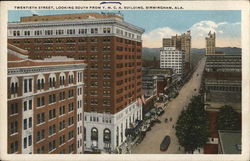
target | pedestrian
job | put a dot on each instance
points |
(173, 126)
(179, 148)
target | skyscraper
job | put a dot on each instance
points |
(210, 43)
(111, 48)
(182, 43)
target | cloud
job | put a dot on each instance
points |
(227, 34)
(153, 39)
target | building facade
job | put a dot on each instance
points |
(182, 43)
(223, 81)
(111, 48)
(45, 104)
(222, 86)
(170, 57)
(149, 85)
(210, 43)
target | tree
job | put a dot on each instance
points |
(228, 119)
(192, 128)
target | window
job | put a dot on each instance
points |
(70, 93)
(82, 31)
(40, 101)
(30, 140)
(14, 86)
(62, 110)
(48, 32)
(71, 78)
(40, 150)
(27, 33)
(25, 124)
(59, 32)
(61, 96)
(30, 122)
(106, 30)
(70, 31)
(61, 124)
(52, 130)
(40, 135)
(52, 114)
(71, 148)
(13, 127)
(16, 33)
(71, 106)
(94, 30)
(40, 118)
(61, 79)
(52, 81)
(79, 78)
(70, 121)
(25, 142)
(52, 98)
(27, 85)
(61, 140)
(70, 135)
(106, 136)
(52, 145)
(94, 134)
(14, 108)
(40, 83)
(14, 147)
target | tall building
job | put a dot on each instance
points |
(183, 43)
(170, 57)
(112, 49)
(210, 43)
(45, 104)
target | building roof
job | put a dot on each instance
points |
(18, 57)
(230, 141)
(70, 17)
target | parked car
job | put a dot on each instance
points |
(165, 143)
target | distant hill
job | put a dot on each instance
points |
(150, 53)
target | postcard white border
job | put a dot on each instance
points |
(187, 5)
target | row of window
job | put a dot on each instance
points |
(62, 32)
(52, 114)
(63, 40)
(28, 86)
(52, 98)
(70, 48)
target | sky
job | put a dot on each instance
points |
(160, 24)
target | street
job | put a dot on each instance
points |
(153, 138)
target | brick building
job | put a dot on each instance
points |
(45, 109)
(112, 49)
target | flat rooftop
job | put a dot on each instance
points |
(230, 141)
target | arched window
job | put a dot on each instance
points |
(107, 135)
(62, 79)
(52, 80)
(71, 78)
(14, 85)
(94, 134)
(40, 82)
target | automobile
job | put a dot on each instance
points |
(165, 143)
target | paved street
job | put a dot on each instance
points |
(153, 139)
